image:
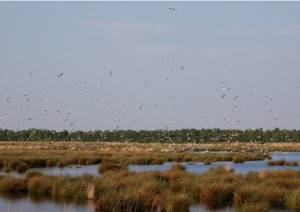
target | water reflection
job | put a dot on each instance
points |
(196, 168)
(24, 203)
(200, 208)
(29, 203)
(243, 168)
(71, 170)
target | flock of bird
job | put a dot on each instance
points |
(203, 117)
(63, 113)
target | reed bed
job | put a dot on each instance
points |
(22, 160)
(170, 190)
(109, 166)
(282, 162)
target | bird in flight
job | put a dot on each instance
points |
(173, 10)
(146, 82)
(60, 75)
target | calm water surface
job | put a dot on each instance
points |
(26, 203)
(243, 168)
(196, 168)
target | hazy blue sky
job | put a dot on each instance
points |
(141, 65)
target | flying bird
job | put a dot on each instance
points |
(173, 10)
(60, 75)
(146, 82)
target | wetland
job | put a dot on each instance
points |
(184, 178)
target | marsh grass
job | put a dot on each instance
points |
(255, 195)
(90, 191)
(22, 167)
(50, 163)
(238, 159)
(207, 162)
(170, 202)
(149, 191)
(131, 191)
(10, 184)
(215, 188)
(11, 158)
(59, 187)
(32, 173)
(293, 200)
(12, 164)
(74, 189)
(109, 166)
(291, 163)
(282, 162)
(169, 190)
(177, 167)
(39, 185)
(253, 207)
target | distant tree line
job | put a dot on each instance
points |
(163, 136)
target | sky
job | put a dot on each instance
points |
(149, 65)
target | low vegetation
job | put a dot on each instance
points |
(21, 160)
(282, 162)
(170, 190)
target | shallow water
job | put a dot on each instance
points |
(243, 168)
(196, 168)
(27, 203)
(71, 170)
